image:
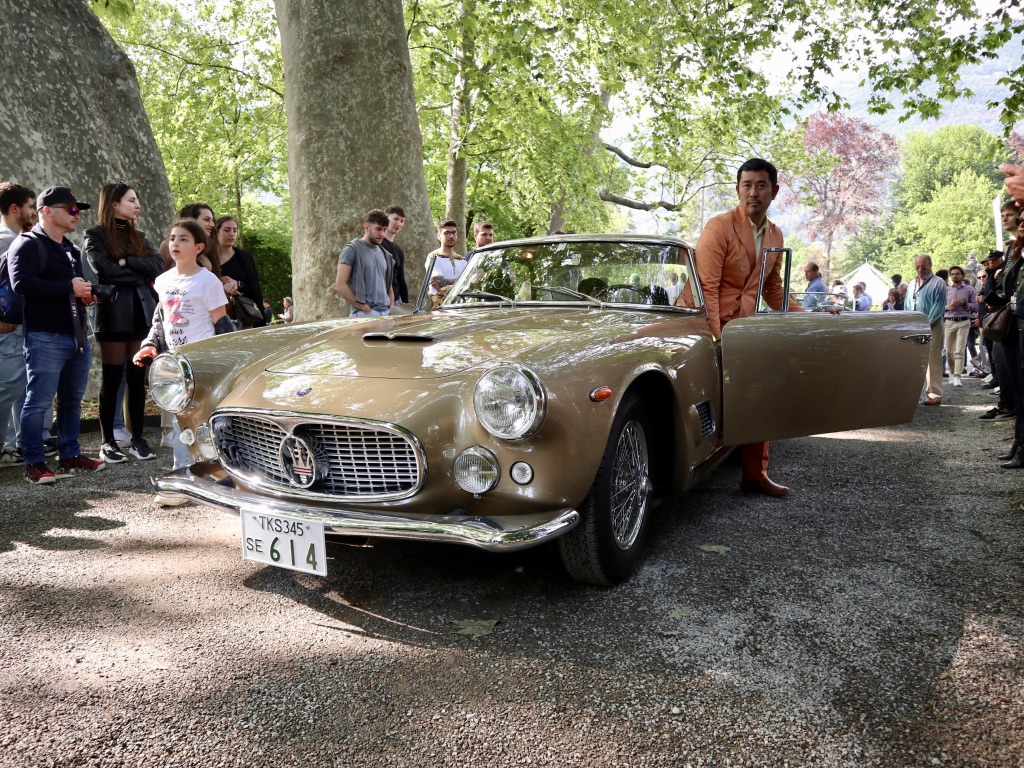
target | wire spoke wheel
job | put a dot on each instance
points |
(631, 485)
(606, 546)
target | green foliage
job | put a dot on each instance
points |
(113, 9)
(266, 234)
(211, 80)
(932, 160)
(943, 201)
(957, 219)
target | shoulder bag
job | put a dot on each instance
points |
(996, 323)
(244, 310)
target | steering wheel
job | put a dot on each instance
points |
(643, 293)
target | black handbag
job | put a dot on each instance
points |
(244, 310)
(996, 323)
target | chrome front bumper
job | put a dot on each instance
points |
(495, 534)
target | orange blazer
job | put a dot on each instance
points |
(728, 270)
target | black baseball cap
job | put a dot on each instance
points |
(54, 195)
(993, 256)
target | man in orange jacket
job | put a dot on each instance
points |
(728, 265)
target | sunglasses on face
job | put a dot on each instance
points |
(1017, 221)
(71, 209)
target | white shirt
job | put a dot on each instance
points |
(187, 303)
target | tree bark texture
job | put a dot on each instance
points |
(353, 139)
(70, 110)
(71, 115)
(457, 176)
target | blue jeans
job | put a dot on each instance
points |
(373, 313)
(55, 369)
(12, 385)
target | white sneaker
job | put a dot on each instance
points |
(957, 382)
(122, 436)
(987, 379)
(167, 440)
(170, 501)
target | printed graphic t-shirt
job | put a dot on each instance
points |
(187, 303)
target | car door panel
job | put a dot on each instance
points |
(804, 373)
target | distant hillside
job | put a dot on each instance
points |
(982, 80)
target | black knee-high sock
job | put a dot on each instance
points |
(136, 388)
(109, 385)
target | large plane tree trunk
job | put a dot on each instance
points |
(70, 110)
(352, 147)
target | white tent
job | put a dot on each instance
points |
(878, 285)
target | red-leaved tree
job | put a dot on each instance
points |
(846, 178)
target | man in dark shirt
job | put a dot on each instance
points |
(46, 269)
(396, 220)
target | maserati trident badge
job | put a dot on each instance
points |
(298, 462)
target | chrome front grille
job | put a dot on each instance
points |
(319, 457)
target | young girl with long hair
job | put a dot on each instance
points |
(191, 308)
(122, 257)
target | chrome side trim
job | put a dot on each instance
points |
(493, 534)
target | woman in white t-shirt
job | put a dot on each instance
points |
(192, 307)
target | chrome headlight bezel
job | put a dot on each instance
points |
(510, 386)
(172, 384)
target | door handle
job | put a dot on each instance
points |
(920, 338)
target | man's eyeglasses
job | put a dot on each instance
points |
(71, 209)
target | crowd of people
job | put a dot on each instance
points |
(143, 300)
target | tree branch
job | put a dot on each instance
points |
(209, 65)
(630, 160)
(637, 205)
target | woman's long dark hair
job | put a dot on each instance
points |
(192, 211)
(122, 240)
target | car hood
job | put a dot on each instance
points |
(446, 344)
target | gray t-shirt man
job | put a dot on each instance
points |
(371, 275)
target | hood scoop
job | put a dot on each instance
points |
(413, 338)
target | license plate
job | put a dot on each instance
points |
(286, 542)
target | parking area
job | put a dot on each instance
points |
(874, 617)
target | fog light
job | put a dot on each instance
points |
(188, 437)
(476, 470)
(204, 441)
(522, 472)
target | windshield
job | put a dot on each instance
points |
(647, 274)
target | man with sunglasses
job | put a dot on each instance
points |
(46, 269)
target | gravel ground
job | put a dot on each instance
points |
(873, 618)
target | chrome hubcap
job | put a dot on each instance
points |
(631, 485)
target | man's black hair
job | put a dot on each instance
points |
(377, 216)
(759, 164)
(13, 194)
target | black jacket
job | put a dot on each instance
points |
(41, 270)
(133, 279)
(242, 269)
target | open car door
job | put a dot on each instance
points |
(790, 374)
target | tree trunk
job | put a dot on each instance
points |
(76, 120)
(353, 139)
(457, 175)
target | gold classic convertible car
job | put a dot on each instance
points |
(564, 385)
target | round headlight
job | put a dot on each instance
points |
(477, 470)
(171, 383)
(510, 401)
